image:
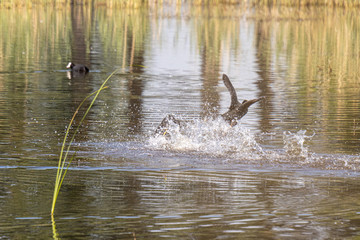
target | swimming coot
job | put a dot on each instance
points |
(78, 67)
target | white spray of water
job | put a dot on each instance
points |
(294, 144)
(212, 136)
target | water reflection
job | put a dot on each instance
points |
(79, 35)
(263, 53)
(217, 182)
(183, 203)
(135, 87)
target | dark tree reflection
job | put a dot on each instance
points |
(263, 56)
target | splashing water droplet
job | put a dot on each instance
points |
(215, 138)
(211, 136)
(294, 144)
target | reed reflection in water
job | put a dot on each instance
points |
(266, 178)
(306, 67)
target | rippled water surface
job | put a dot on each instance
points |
(288, 170)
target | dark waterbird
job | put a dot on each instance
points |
(236, 111)
(78, 67)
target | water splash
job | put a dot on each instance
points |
(294, 144)
(212, 137)
(215, 138)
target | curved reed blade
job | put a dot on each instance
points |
(60, 174)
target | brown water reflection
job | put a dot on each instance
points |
(263, 48)
(266, 178)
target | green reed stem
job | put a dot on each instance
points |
(60, 174)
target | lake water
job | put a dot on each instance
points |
(289, 169)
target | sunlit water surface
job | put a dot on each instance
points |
(288, 170)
